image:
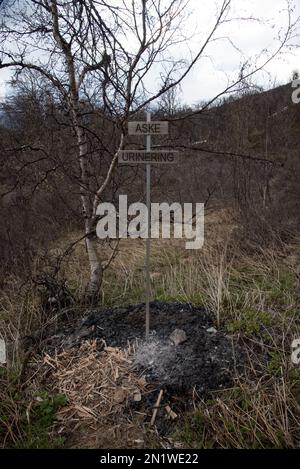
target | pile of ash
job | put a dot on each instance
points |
(184, 350)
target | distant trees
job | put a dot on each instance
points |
(169, 102)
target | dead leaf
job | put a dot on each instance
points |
(171, 413)
(120, 395)
(137, 397)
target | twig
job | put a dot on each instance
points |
(157, 404)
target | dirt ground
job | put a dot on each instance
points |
(204, 362)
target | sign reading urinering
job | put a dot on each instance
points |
(148, 157)
(143, 156)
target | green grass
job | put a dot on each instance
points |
(250, 322)
(276, 362)
(26, 421)
(38, 427)
(254, 297)
(192, 433)
(242, 418)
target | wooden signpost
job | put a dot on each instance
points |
(147, 157)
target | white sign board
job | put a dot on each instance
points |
(143, 156)
(148, 128)
(2, 352)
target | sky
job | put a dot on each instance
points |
(251, 37)
(222, 61)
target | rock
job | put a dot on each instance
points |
(137, 397)
(39, 399)
(212, 330)
(120, 395)
(178, 336)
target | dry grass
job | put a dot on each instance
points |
(260, 411)
(20, 314)
(98, 383)
(259, 417)
(254, 294)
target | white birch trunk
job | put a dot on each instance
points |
(96, 271)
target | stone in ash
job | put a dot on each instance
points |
(178, 336)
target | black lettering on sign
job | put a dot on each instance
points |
(148, 128)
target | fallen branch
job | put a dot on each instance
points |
(156, 407)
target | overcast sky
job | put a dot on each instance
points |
(222, 61)
(251, 37)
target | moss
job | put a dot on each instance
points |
(275, 362)
(193, 433)
(250, 322)
(283, 289)
(168, 298)
(42, 418)
(33, 422)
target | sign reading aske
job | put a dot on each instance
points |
(143, 156)
(148, 128)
